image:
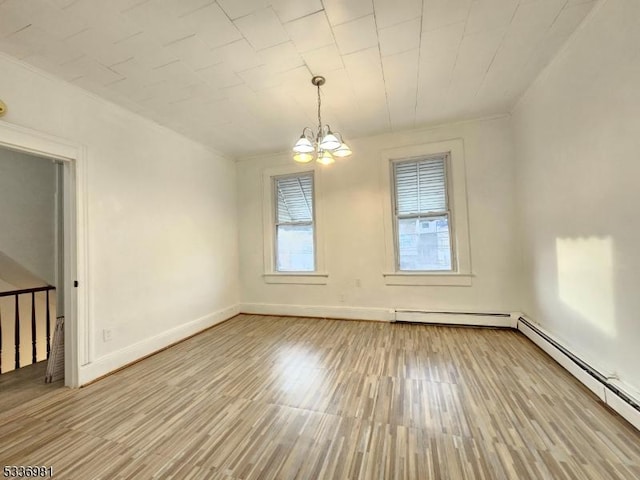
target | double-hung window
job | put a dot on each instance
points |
(423, 221)
(294, 223)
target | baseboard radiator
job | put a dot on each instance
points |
(471, 319)
(588, 369)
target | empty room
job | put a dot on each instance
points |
(320, 239)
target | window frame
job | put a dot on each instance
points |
(461, 274)
(269, 203)
(446, 157)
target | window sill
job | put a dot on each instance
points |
(427, 279)
(311, 278)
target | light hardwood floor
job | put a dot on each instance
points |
(272, 397)
(25, 384)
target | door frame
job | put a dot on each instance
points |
(77, 329)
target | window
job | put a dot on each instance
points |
(422, 216)
(425, 215)
(294, 223)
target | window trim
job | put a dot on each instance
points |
(461, 273)
(448, 213)
(271, 274)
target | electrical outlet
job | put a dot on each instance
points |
(342, 298)
(107, 335)
(358, 283)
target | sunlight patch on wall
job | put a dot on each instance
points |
(585, 279)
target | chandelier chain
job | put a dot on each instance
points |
(319, 118)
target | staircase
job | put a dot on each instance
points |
(27, 316)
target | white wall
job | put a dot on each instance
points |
(27, 213)
(354, 237)
(577, 134)
(162, 239)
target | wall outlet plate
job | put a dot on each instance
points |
(107, 335)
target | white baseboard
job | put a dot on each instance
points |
(479, 319)
(483, 319)
(350, 313)
(596, 386)
(127, 355)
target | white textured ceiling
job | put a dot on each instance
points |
(235, 74)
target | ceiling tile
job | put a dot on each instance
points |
(443, 39)
(476, 53)
(96, 43)
(53, 20)
(238, 55)
(571, 3)
(261, 77)
(401, 71)
(400, 38)
(401, 83)
(441, 13)
(180, 8)
(262, 29)
(137, 46)
(219, 76)
(323, 60)
(310, 32)
(516, 48)
(340, 11)
(281, 57)
(154, 18)
(392, 12)
(211, 25)
(570, 17)
(194, 52)
(363, 62)
(537, 15)
(356, 35)
(12, 20)
(235, 8)
(488, 15)
(26, 41)
(90, 70)
(436, 71)
(288, 10)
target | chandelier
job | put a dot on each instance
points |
(322, 145)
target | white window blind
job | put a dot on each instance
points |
(422, 217)
(421, 186)
(294, 229)
(295, 199)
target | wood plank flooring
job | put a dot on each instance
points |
(26, 383)
(298, 398)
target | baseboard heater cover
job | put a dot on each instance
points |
(471, 319)
(583, 365)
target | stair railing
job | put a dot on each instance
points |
(16, 294)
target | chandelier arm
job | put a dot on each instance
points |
(308, 133)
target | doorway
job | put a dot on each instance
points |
(31, 275)
(70, 271)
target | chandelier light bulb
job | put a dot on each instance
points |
(342, 151)
(303, 157)
(326, 158)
